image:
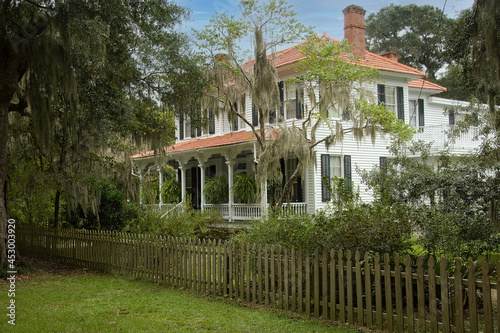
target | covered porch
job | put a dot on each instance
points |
(199, 160)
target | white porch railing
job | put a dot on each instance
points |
(221, 209)
(295, 207)
(442, 138)
(245, 212)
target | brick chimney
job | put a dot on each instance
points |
(354, 29)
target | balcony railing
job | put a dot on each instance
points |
(442, 138)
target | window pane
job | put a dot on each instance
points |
(413, 113)
(336, 167)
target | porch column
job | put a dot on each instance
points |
(160, 174)
(263, 198)
(230, 183)
(141, 176)
(183, 183)
(202, 185)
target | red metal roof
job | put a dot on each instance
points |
(292, 55)
(424, 84)
(216, 141)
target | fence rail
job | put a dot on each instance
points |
(394, 294)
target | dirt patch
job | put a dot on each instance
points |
(40, 267)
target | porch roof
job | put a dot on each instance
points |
(196, 143)
(424, 84)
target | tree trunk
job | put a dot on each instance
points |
(4, 111)
(287, 190)
(11, 71)
(57, 204)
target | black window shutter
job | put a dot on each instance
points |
(255, 116)
(299, 94)
(381, 93)
(451, 118)
(211, 122)
(401, 104)
(198, 131)
(235, 120)
(347, 170)
(281, 88)
(325, 176)
(181, 127)
(383, 163)
(421, 118)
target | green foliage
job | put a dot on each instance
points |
(113, 212)
(415, 33)
(185, 222)
(171, 190)
(358, 227)
(216, 190)
(245, 187)
(472, 42)
(452, 200)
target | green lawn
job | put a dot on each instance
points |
(103, 303)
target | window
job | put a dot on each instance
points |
(255, 116)
(239, 106)
(188, 129)
(331, 167)
(181, 127)
(392, 97)
(211, 122)
(291, 98)
(413, 113)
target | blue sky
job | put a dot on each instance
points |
(324, 15)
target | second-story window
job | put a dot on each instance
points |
(211, 122)
(291, 98)
(392, 97)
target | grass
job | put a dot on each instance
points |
(103, 303)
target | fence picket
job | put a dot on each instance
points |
(445, 303)
(388, 292)
(420, 294)
(350, 303)
(333, 286)
(487, 306)
(316, 300)
(378, 292)
(324, 287)
(432, 295)
(409, 295)
(341, 286)
(471, 293)
(399, 297)
(368, 291)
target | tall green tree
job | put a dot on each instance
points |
(86, 73)
(415, 33)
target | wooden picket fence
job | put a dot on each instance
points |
(393, 294)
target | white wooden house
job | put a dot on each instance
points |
(225, 148)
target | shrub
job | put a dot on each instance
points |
(188, 222)
(364, 227)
